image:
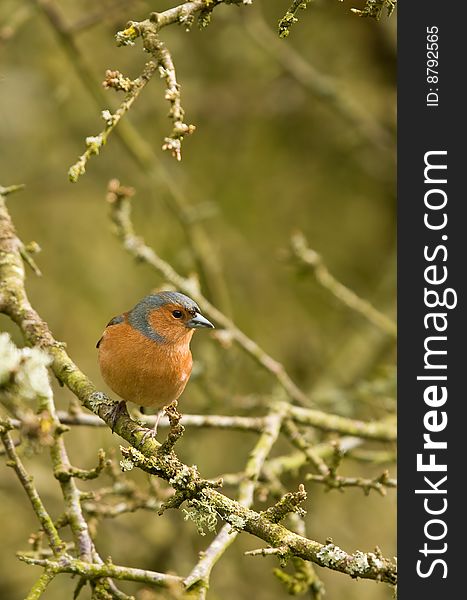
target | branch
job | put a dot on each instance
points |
(206, 258)
(339, 482)
(290, 17)
(56, 543)
(133, 89)
(149, 457)
(121, 217)
(92, 571)
(41, 584)
(199, 576)
(375, 8)
(233, 422)
(383, 431)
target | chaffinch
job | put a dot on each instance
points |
(144, 354)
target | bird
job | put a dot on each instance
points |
(144, 354)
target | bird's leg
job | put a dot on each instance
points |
(151, 432)
(115, 413)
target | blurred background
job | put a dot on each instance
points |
(292, 134)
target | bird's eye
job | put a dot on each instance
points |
(177, 314)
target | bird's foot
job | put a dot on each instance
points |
(150, 432)
(115, 412)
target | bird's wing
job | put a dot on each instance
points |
(114, 321)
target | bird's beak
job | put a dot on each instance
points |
(199, 321)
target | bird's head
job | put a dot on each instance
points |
(167, 317)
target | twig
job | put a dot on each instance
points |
(95, 143)
(289, 18)
(56, 544)
(206, 258)
(233, 422)
(313, 260)
(93, 571)
(289, 503)
(121, 216)
(292, 463)
(280, 550)
(297, 439)
(41, 584)
(339, 482)
(184, 479)
(384, 431)
(199, 576)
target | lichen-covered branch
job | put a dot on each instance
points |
(132, 88)
(290, 17)
(107, 569)
(375, 8)
(233, 423)
(151, 456)
(205, 257)
(148, 30)
(199, 576)
(364, 565)
(119, 201)
(55, 542)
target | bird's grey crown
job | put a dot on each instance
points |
(157, 300)
(138, 316)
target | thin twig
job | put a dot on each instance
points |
(205, 256)
(56, 544)
(95, 143)
(93, 571)
(121, 216)
(199, 576)
(41, 584)
(339, 482)
(233, 422)
(184, 479)
(297, 439)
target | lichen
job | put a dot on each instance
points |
(108, 117)
(97, 399)
(33, 377)
(330, 555)
(10, 358)
(24, 369)
(94, 143)
(202, 514)
(238, 523)
(126, 464)
(359, 564)
(182, 478)
(375, 561)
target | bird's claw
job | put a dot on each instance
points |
(115, 413)
(149, 433)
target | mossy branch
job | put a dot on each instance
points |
(150, 456)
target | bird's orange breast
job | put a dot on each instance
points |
(141, 370)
